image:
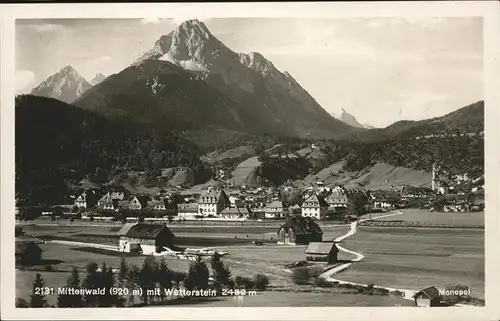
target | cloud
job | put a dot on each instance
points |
(48, 28)
(152, 20)
(25, 79)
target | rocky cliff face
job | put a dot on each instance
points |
(66, 85)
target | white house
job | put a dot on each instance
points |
(314, 206)
(274, 209)
(212, 202)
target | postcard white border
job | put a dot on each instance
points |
(489, 10)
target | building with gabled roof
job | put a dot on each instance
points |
(87, 199)
(322, 252)
(299, 230)
(275, 209)
(139, 202)
(235, 212)
(27, 252)
(314, 206)
(146, 238)
(211, 202)
(427, 297)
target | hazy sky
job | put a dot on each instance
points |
(380, 70)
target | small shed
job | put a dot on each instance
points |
(147, 238)
(322, 252)
(427, 297)
(28, 253)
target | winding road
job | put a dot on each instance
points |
(329, 275)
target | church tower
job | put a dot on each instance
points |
(435, 176)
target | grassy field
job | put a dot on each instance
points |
(423, 216)
(294, 299)
(415, 258)
(378, 176)
(410, 258)
(246, 260)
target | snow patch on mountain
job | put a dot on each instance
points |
(186, 64)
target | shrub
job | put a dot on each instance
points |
(322, 282)
(300, 276)
(49, 268)
(244, 282)
(261, 281)
(22, 303)
(396, 293)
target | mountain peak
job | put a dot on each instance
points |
(66, 85)
(259, 63)
(196, 26)
(98, 78)
(349, 119)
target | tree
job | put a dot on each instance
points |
(301, 276)
(178, 277)
(71, 300)
(164, 277)
(197, 276)
(221, 273)
(357, 203)
(107, 277)
(261, 281)
(38, 297)
(242, 282)
(147, 277)
(123, 272)
(22, 303)
(92, 280)
(133, 281)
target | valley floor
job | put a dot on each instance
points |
(409, 258)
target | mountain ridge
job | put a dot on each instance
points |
(249, 79)
(66, 85)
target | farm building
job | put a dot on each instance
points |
(299, 230)
(275, 209)
(28, 252)
(235, 212)
(427, 297)
(145, 238)
(187, 210)
(322, 252)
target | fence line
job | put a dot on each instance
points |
(375, 223)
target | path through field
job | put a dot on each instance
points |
(328, 275)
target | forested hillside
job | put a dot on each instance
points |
(58, 144)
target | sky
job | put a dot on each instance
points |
(379, 70)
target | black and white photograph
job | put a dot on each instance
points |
(206, 161)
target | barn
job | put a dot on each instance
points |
(322, 252)
(428, 297)
(28, 253)
(145, 238)
(299, 230)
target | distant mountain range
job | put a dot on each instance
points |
(191, 95)
(189, 79)
(350, 119)
(466, 120)
(65, 85)
(98, 78)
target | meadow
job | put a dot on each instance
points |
(425, 217)
(412, 258)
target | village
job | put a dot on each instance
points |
(289, 236)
